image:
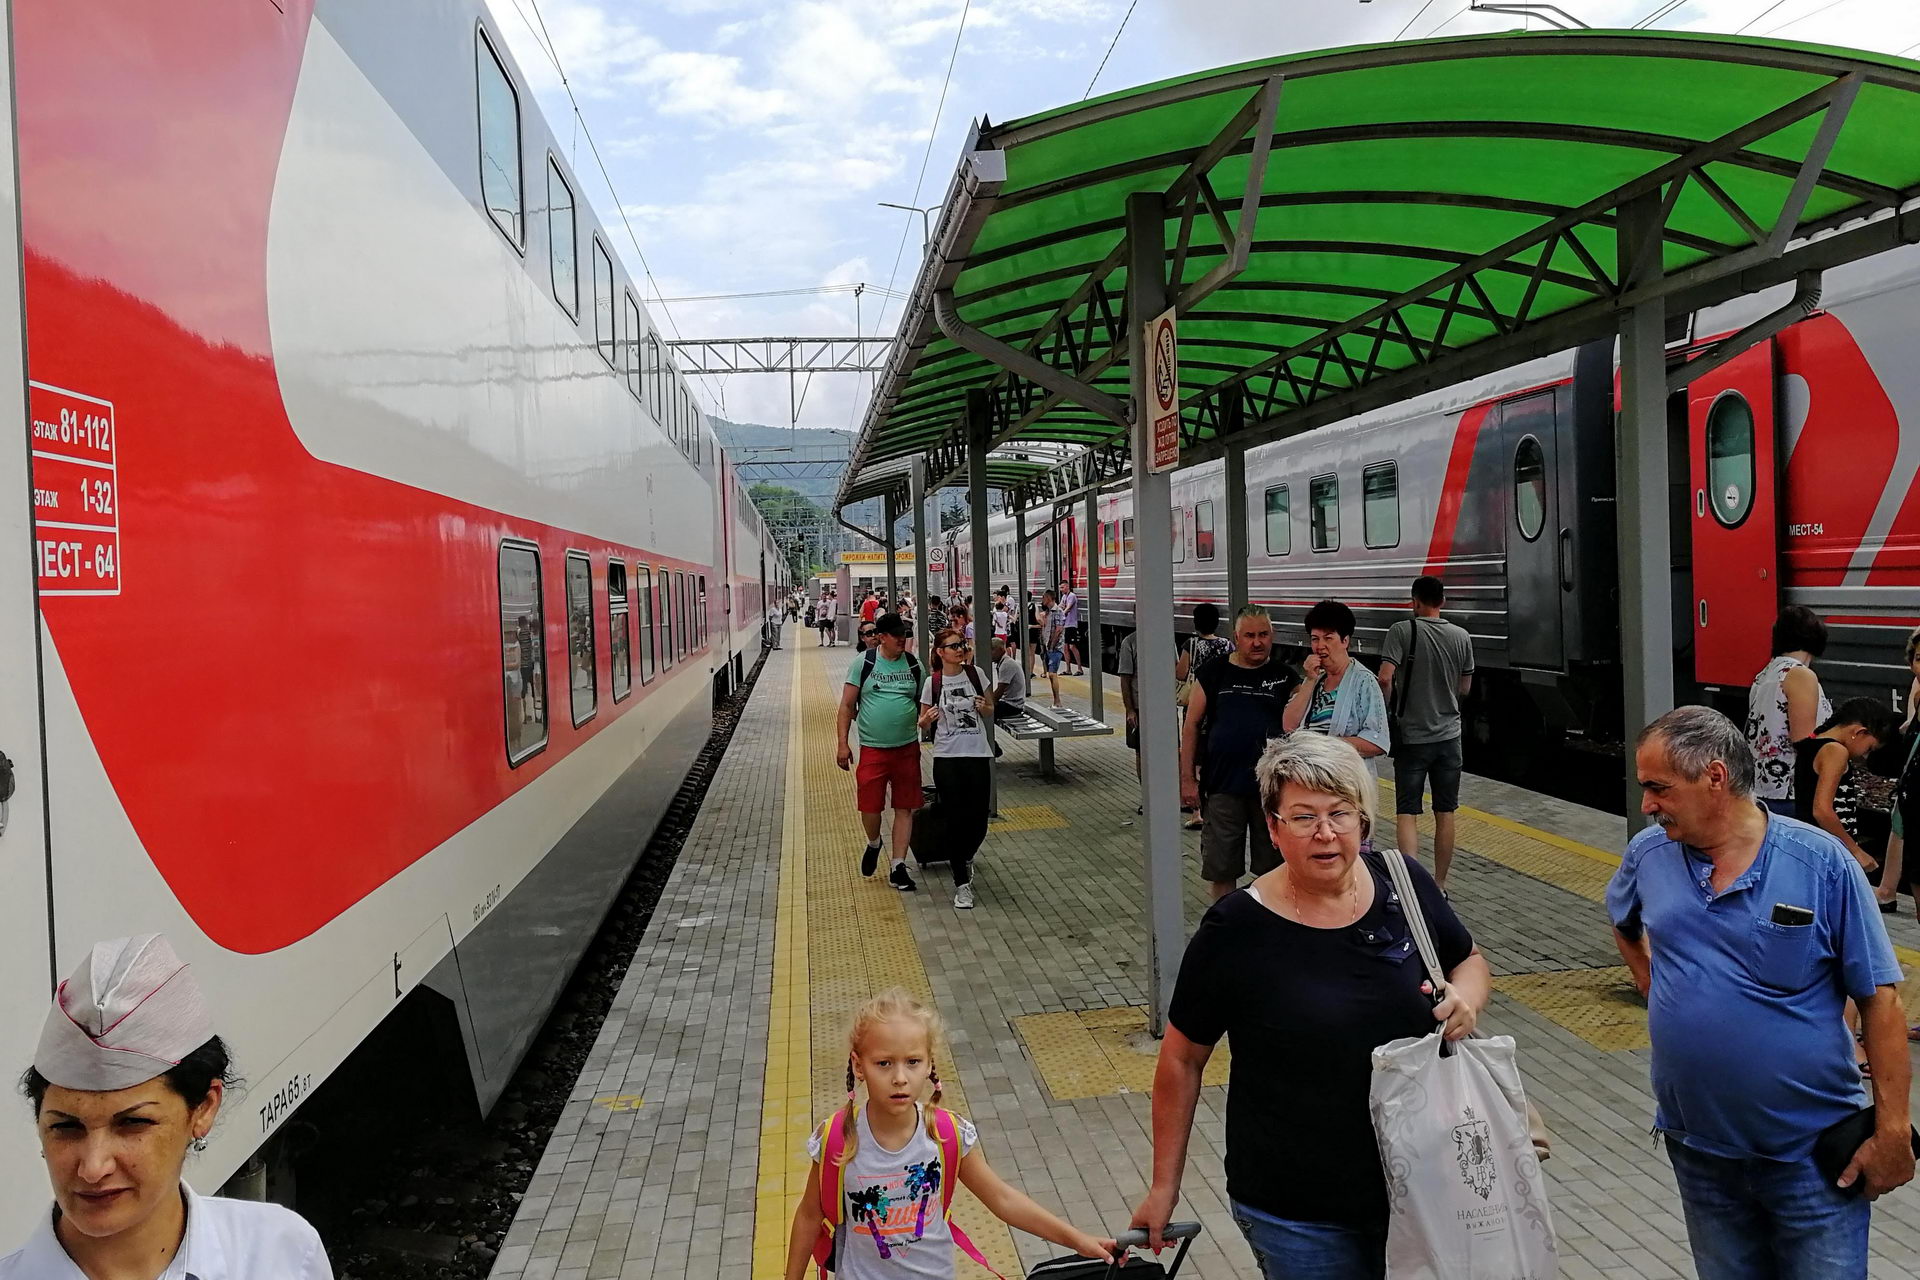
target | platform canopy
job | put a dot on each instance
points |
(1347, 228)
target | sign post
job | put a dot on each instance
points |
(1163, 391)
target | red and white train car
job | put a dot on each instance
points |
(368, 571)
(1794, 482)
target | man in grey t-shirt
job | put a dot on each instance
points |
(1426, 668)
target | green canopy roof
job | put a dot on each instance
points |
(1416, 204)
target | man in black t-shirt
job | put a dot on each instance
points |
(1235, 707)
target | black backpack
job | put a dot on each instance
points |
(866, 669)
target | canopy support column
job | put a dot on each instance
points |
(1153, 615)
(917, 495)
(1093, 649)
(890, 596)
(979, 431)
(1644, 531)
(1237, 538)
(1017, 600)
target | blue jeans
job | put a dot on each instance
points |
(1768, 1219)
(1289, 1250)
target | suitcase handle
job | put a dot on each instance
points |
(1136, 1238)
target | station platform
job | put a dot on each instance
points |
(682, 1149)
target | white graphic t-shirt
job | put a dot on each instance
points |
(960, 730)
(892, 1227)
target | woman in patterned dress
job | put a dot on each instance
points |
(1786, 705)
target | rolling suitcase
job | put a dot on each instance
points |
(1135, 1267)
(929, 837)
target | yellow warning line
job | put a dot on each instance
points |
(840, 939)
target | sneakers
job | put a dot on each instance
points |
(899, 878)
(870, 859)
(963, 897)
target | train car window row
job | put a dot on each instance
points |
(604, 336)
(643, 583)
(562, 255)
(1109, 544)
(619, 636)
(499, 112)
(1126, 538)
(1529, 487)
(1279, 521)
(522, 650)
(1380, 504)
(1323, 512)
(582, 677)
(1203, 530)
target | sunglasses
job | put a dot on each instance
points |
(958, 644)
(866, 634)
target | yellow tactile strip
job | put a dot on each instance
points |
(1600, 1006)
(851, 939)
(1098, 1052)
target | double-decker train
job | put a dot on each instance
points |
(1793, 482)
(369, 683)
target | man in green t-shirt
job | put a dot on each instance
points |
(882, 695)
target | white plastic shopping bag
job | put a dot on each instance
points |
(1465, 1188)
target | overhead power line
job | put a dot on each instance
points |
(1111, 46)
(1756, 17)
(939, 107)
(1420, 13)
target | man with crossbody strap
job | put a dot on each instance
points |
(880, 696)
(1426, 668)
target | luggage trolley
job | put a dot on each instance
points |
(1132, 1268)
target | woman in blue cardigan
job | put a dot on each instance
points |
(1339, 696)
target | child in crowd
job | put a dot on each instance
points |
(878, 1199)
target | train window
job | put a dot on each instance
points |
(561, 243)
(603, 315)
(1323, 512)
(1730, 458)
(679, 614)
(655, 372)
(1203, 530)
(702, 613)
(1529, 487)
(666, 618)
(523, 650)
(499, 144)
(580, 665)
(1279, 522)
(1180, 518)
(643, 596)
(1380, 505)
(632, 348)
(1126, 539)
(619, 635)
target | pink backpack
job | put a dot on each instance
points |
(833, 1187)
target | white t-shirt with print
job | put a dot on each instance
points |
(892, 1227)
(961, 728)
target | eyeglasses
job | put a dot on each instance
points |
(1343, 822)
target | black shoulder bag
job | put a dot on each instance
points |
(1402, 687)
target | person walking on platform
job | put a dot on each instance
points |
(1202, 647)
(1426, 668)
(1747, 932)
(882, 696)
(1070, 613)
(776, 618)
(1237, 705)
(1826, 786)
(128, 1077)
(1330, 702)
(879, 1196)
(1009, 683)
(1053, 639)
(1300, 972)
(956, 702)
(824, 615)
(1786, 704)
(961, 619)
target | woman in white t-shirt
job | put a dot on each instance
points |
(956, 702)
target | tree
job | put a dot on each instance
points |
(795, 519)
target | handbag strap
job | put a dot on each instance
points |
(1403, 678)
(1416, 918)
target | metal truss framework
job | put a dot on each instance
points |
(782, 355)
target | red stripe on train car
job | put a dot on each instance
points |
(1446, 519)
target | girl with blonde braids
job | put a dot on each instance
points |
(876, 1202)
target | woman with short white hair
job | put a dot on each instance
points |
(1308, 969)
(128, 1077)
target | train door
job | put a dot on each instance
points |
(1734, 521)
(1538, 538)
(25, 954)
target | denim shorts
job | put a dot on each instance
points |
(1416, 765)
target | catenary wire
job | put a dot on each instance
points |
(1756, 17)
(1415, 18)
(1111, 46)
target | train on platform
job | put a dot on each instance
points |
(1793, 473)
(369, 685)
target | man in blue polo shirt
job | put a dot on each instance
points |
(1747, 932)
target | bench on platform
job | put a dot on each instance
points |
(1047, 725)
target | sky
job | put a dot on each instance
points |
(749, 142)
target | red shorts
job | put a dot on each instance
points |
(883, 767)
